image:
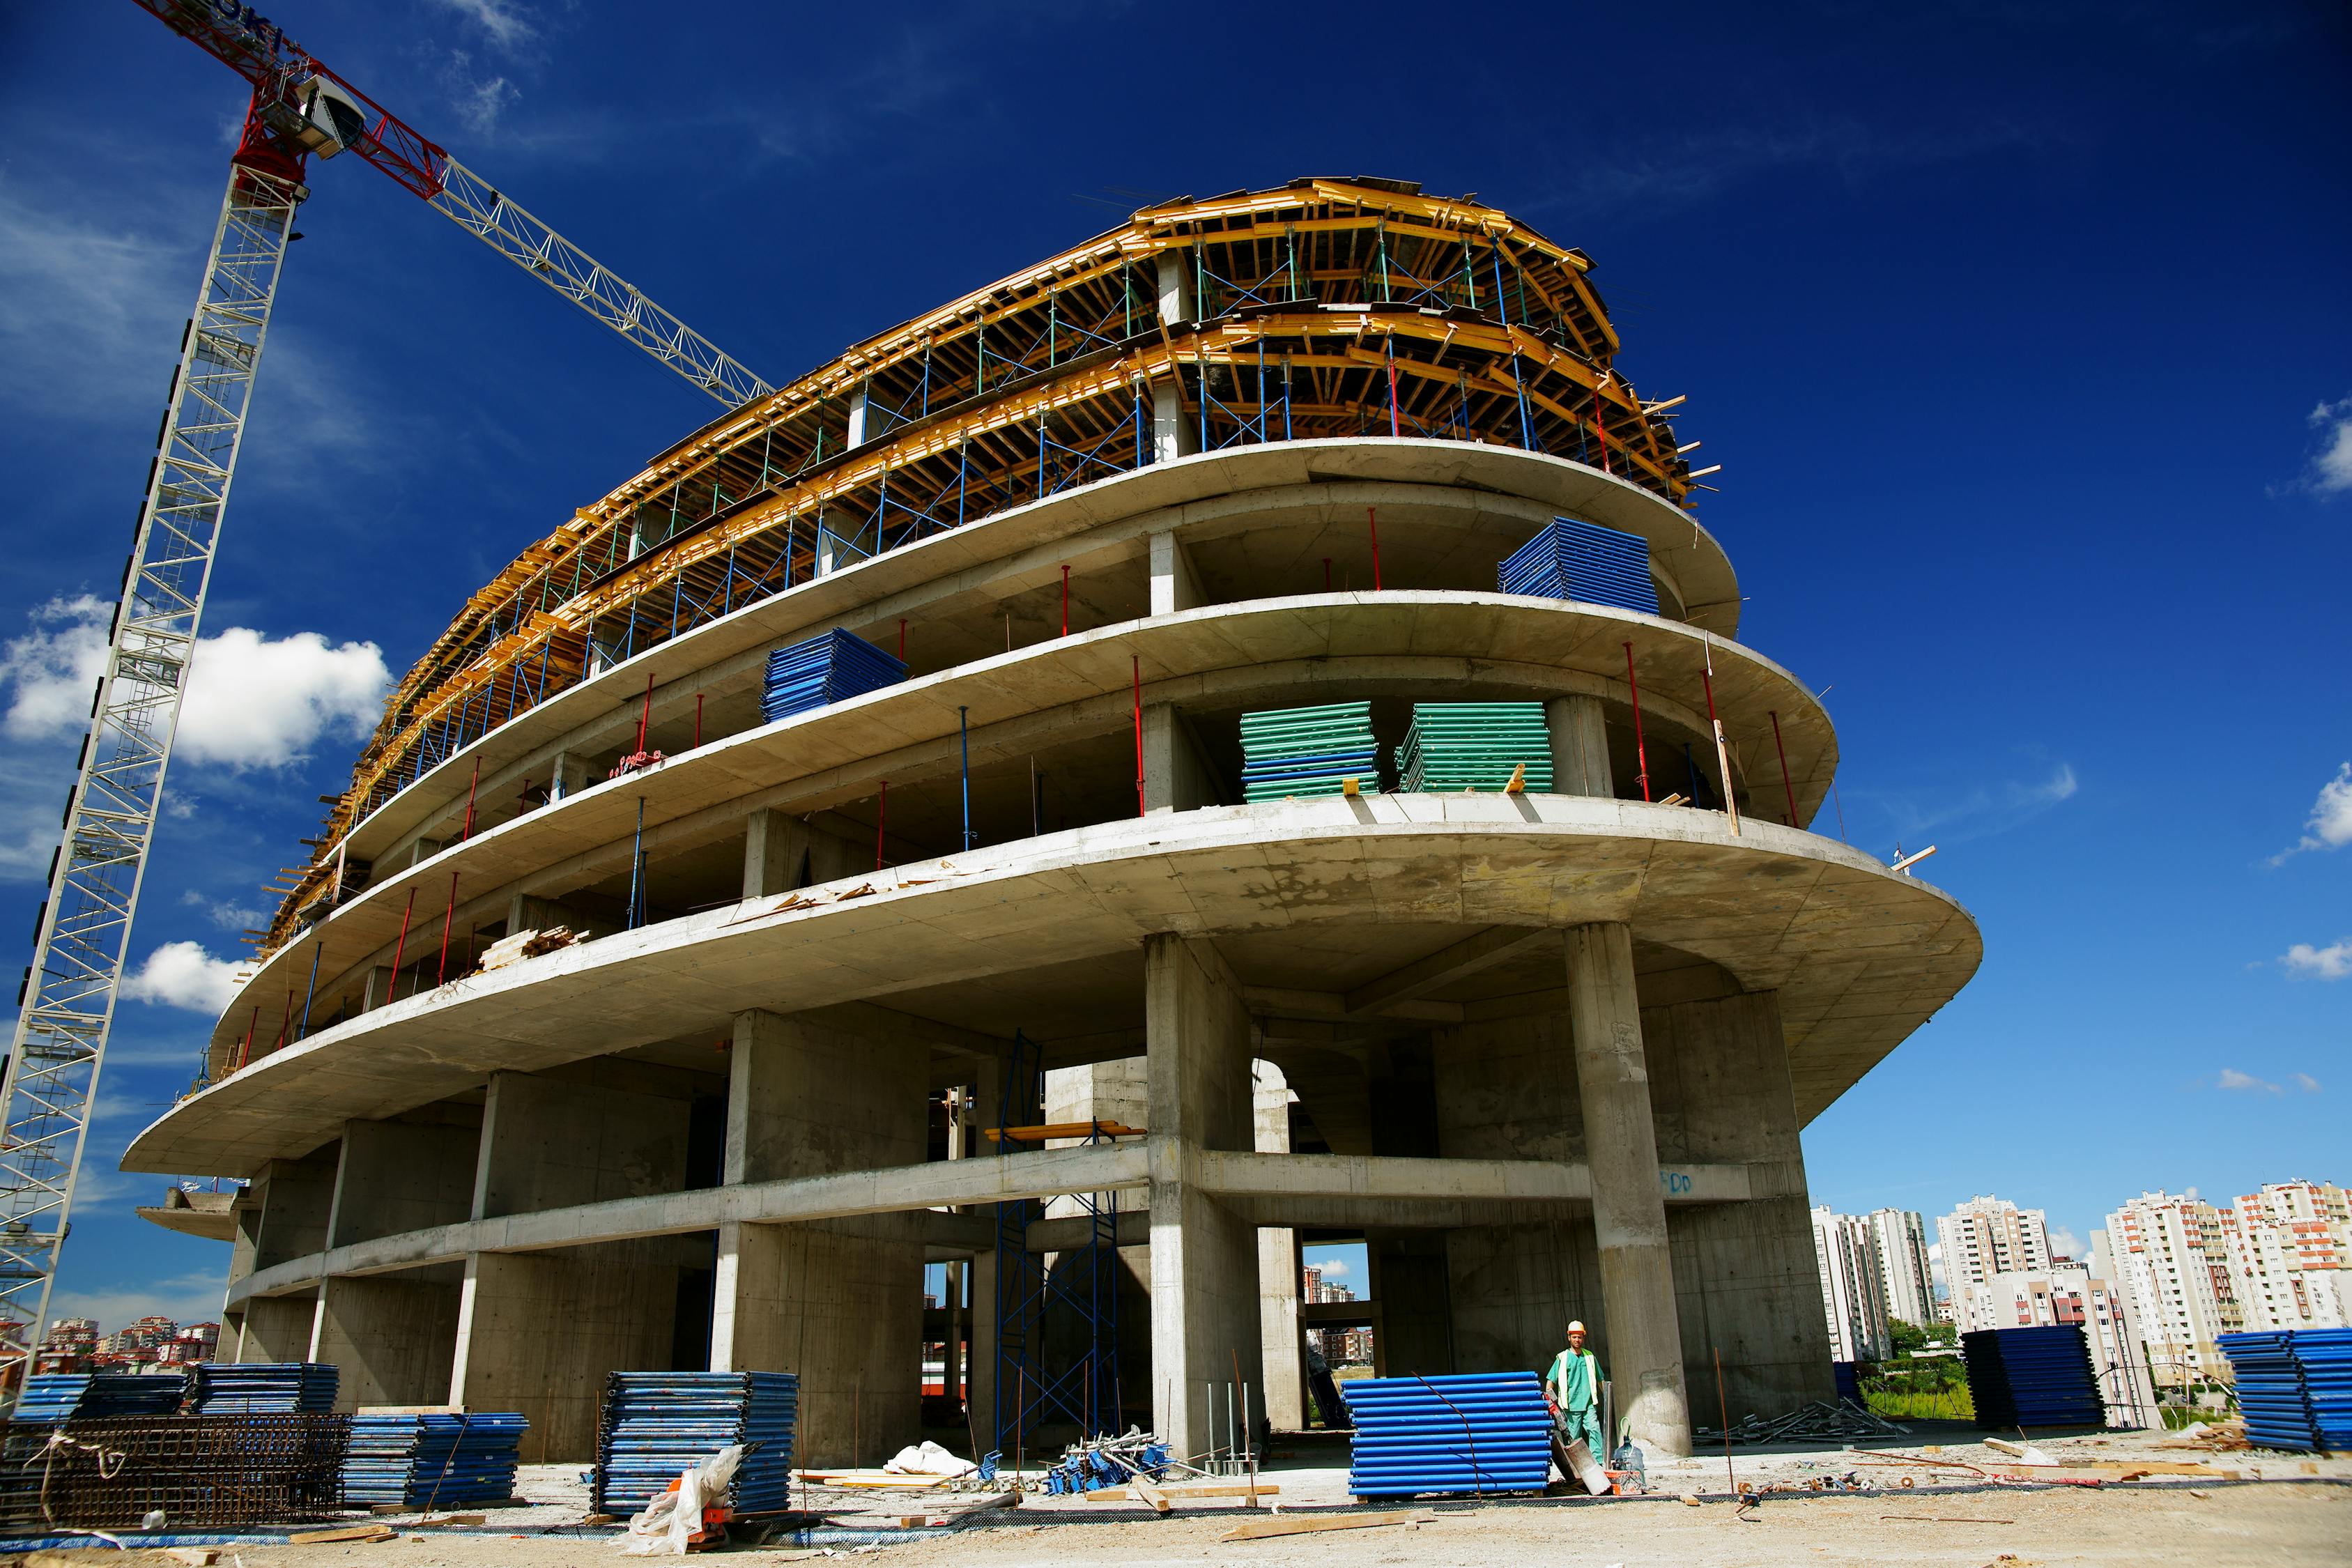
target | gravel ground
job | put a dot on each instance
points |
(2286, 1510)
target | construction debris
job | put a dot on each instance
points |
(1820, 1421)
(525, 944)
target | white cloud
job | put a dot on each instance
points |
(2232, 1078)
(98, 305)
(253, 702)
(2329, 826)
(2305, 1083)
(2331, 466)
(2333, 961)
(2066, 1244)
(186, 1298)
(509, 25)
(183, 974)
(1332, 1269)
(478, 100)
(227, 916)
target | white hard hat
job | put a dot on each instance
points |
(1576, 1328)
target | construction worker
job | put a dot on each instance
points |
(1574, 1384)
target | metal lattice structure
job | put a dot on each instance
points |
(67, 1001)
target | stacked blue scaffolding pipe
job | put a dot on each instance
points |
(263, 1389)
(55, 1396)
(824, 669)
(2032, 1377)
(2295, 1387)
(1572, 559)
(433, 1461)
(658, 1425)
(1482, 1433)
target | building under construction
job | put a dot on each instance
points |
(676, 980)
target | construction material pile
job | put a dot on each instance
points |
(429, 1461)
(1480, 1433)
(58, 1396)
(199, 1473)
(2295, 1387)
(1841, 1420)
(658, 1425)
(824, 669)
(1103, 1462)
(263, 1389)
(2032, 1377)
(1572, 559)
(1475, 745)
(1308, 752)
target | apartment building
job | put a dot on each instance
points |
(1988, 1236)
(1854, 1286)
(1901, 1237)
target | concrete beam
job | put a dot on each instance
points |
(1465, 958)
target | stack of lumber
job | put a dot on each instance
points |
(2032, 1377)
(1308, 752)
(1480, 1433)
(1475, 745)
(432, 1461)
(2295, 1387)
(1572, 559)
(824, 669)
(656, 1425)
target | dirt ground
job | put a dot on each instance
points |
(2288, 1510)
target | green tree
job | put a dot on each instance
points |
(1908, 1337)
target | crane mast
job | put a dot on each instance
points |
(66, 1006)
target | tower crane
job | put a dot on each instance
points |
(299, 109)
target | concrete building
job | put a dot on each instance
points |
(1989, 1235)
(1545, 1054)
(2289, 1247)
(1854, 1286)
(1900, 1239)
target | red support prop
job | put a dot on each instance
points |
(401, 946)
(245, 1051)
(1066, 599)
(286, 1023)
(881, 816)
(1640, 752)
(1139, 733)
(1374, 513)
(441, 974)
(1784, 769)
(467, 831)
(1393, 429)
(646, 720)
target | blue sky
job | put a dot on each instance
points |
(2023, 333)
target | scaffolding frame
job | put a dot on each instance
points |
(1087, 1391)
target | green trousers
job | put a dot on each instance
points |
(1584, 1424)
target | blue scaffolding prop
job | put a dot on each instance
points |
(1085, 1391)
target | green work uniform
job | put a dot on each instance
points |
(1575, 1380)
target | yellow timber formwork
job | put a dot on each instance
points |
(1325, 308)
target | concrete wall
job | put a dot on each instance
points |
(394, 1337)
(1745, 1279)
(843, 1090)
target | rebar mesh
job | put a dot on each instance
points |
(199, 1471)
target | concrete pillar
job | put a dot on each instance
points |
(856, 436)
(1642, 1340)
(1172, 435)
(1281, 1350)
(569, 776)
(1174, 776)
(278, 1327)
(376, 989)
(537, 1332)
(987, 1095)
(1580, 747)
(1175, 286)
(1749, 1285)
(1204, 1277)
(843, 1089)
(424, 849)
(393, 1335)
(1175, 585)
(1116, 1091)
(781, 852)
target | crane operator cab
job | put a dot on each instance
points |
(333, 119)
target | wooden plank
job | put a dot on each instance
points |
(2111, 1471)
(1297, 1524)
(1180, 1490)
(1060, 1130)
(1150, 1494)
(355, 1533)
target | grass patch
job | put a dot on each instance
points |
(1923, 1404)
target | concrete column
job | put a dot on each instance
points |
(570, 776)
(393, 1335)
(1175, 286)
(781, 853)
(987, 1095)
(278, 1327)
(856, 436)
(424, 849)
(1284, 1401)
(843, 1089)
(1175, 585)
(1580, 747)
(1205, 1276)
(1174, 776)
(537, 1332)
(1644, 1332)
(1172, 436)
(1116, 1091)
(376, 989)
